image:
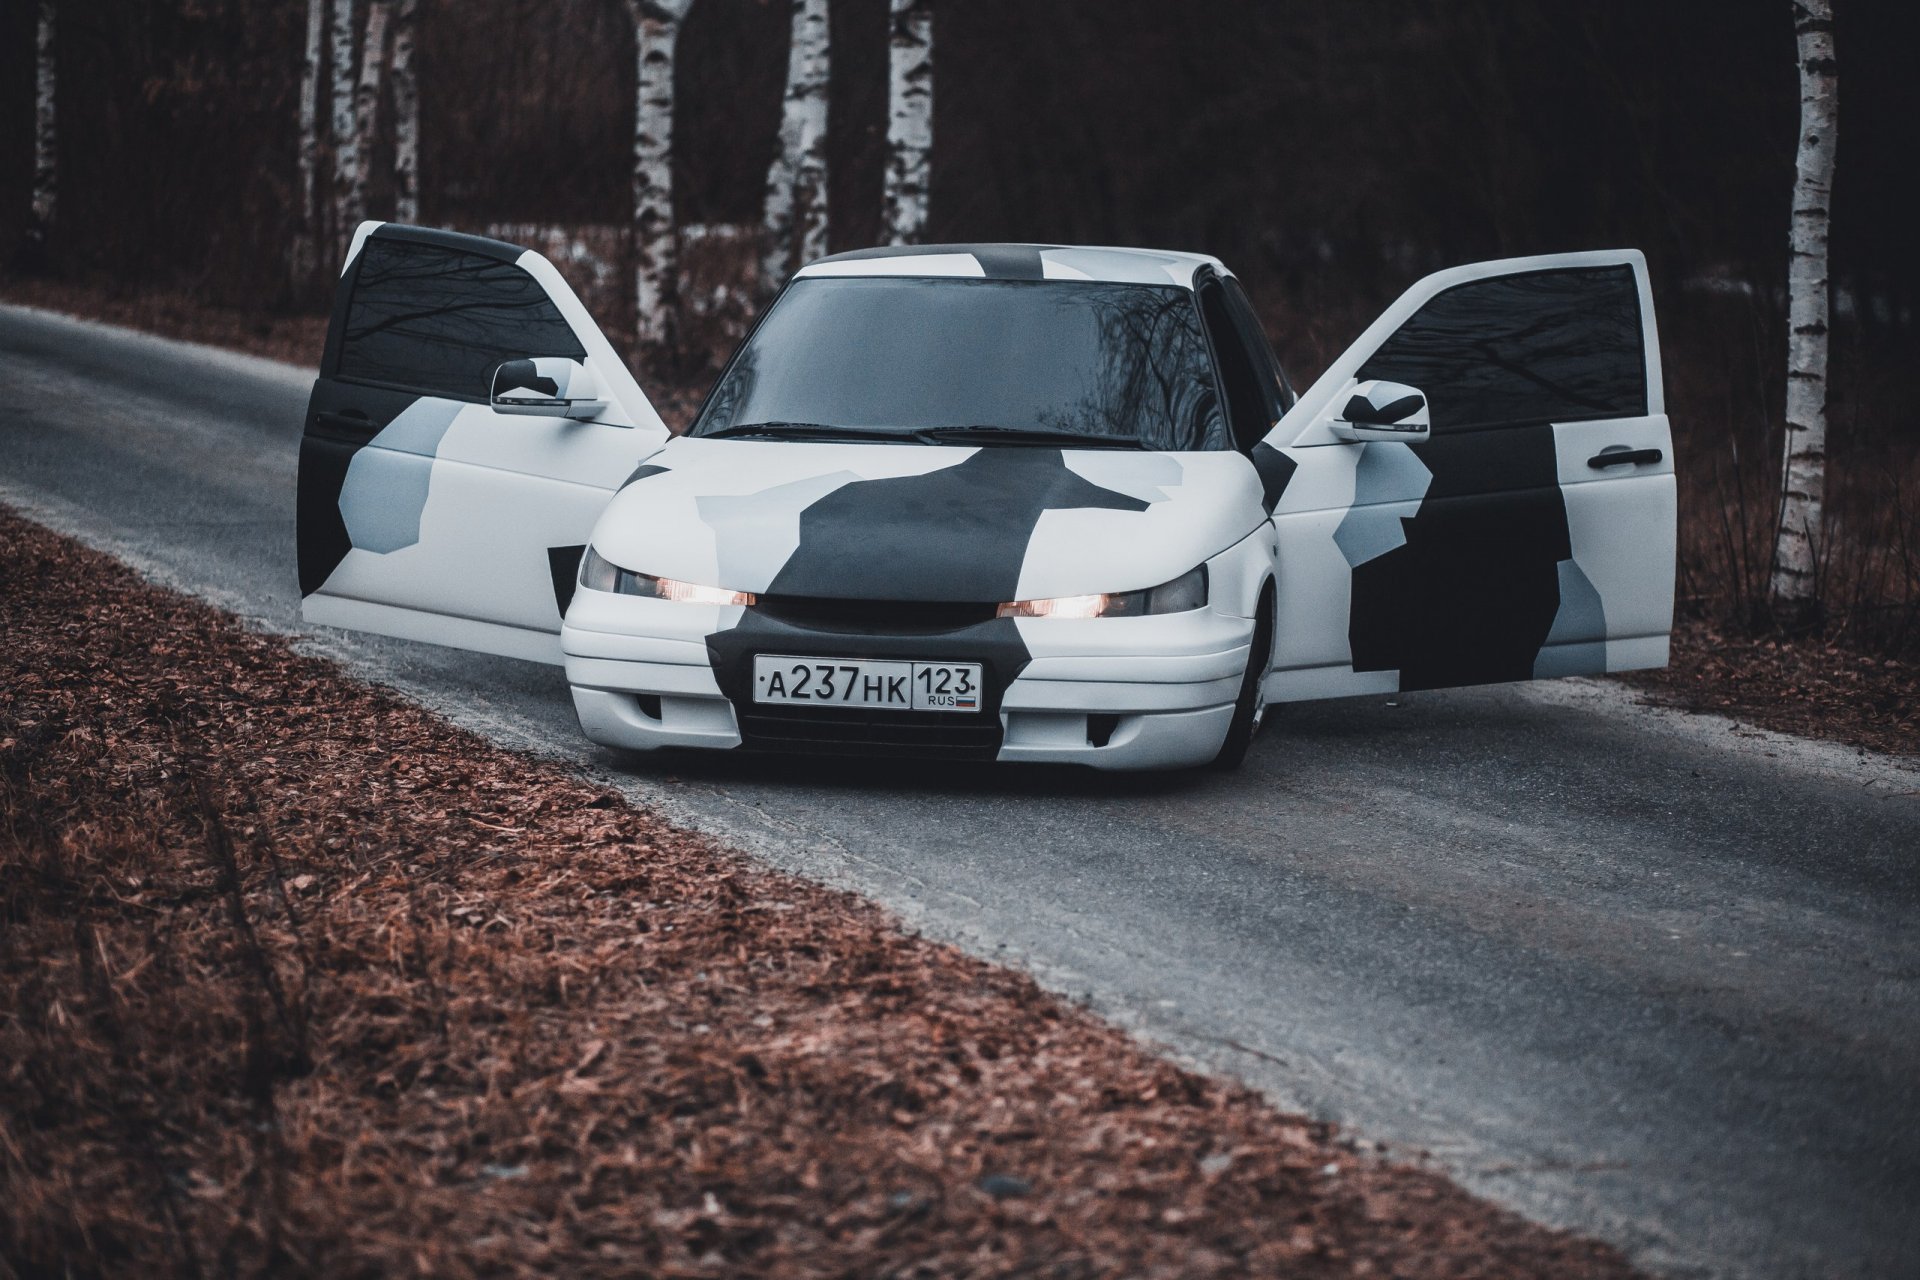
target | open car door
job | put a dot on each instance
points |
(1521, 525)
(429, 509)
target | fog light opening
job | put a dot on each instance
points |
(649, 704)
(1100, 729)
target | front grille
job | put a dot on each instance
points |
(874, 617)
(924, 735)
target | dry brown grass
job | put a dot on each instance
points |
(1804, 686)
(1869, 556)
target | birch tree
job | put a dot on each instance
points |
(796, 212)
(366, 106)
(656, 236)
(346, 145)
(1795, 556)
(909, 119)
(306, 241)
(406, 114)
(45, 157)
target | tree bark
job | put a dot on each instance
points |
(307, 239)
(346, 145)
(656, 236)
(366, 104)
(909, 119)
(1797, 549)
(406, 114)
(796, 210)
(46, 168)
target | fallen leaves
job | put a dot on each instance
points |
(1803, 687)
(295, 977)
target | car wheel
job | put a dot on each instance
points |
(1250, 708)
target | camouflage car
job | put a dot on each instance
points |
(994, 502)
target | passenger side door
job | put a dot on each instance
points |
(423, 512)
(1531, 535)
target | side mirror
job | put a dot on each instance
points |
(1377, 410)
(546, 387)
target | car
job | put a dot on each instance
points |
(993, 502)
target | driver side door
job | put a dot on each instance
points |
(423, 513)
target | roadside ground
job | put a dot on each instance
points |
(292, 338)
(296, 976)
(1809, 687)
(1806, 687)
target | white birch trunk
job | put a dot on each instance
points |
(46, 169)
(796, 210)
(909, 119)
(656, 236)
(308, 238)
(1796, 552)
(346, 146)
(366, 106)
(406, 115)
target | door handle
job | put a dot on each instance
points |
(1617, 457)
(352, 422)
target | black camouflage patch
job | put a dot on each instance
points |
(564, 564)
(1471, 595)
(641, 472)
(960, 533)
(1276, 470)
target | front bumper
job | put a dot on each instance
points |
(1120, 693)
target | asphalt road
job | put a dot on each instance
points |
(1652, 976)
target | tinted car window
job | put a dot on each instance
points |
(440, 321)
(1251, 408)
(1249, 323)
(1115, 361)
(1546, 346)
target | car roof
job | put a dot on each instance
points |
(1018, 262)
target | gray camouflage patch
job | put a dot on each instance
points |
(1581, 613)
(1146, 477)
(386, 484)
(763, 529)
(1389, 484)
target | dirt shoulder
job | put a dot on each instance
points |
(295, 975)
(295, 339)
(1808, 688)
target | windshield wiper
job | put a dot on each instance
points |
(1026, 435)
(924, 435)
(806, 431)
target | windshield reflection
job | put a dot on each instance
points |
(1107, 362)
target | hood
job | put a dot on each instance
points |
(923, 522)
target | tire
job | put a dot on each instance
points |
(1249, 709)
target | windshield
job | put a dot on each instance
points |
(975, 361)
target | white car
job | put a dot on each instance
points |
(994, 502)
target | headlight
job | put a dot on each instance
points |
(600, 574)
(1188, 591)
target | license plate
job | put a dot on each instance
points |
(887, 686)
